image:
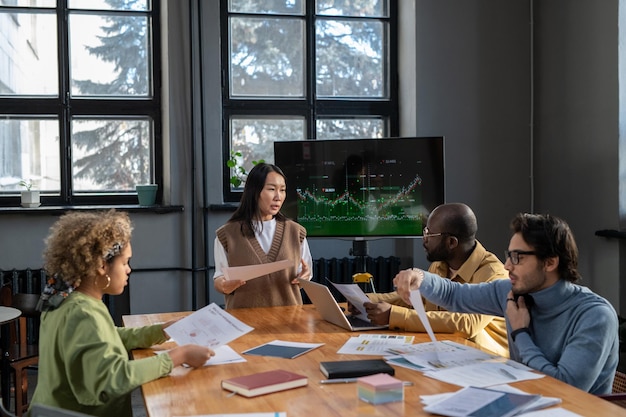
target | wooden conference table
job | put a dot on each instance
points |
(189, 392)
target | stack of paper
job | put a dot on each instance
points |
(541, 402)
(459, 364)
(483, 402)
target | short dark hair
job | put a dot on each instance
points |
(550, 237)
(248, 209)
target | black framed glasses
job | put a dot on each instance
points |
(426, 233)
(513, 255)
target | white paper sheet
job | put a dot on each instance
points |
(259, 414)
(374, 344)
(483, 374)
(441, 355)
(355, 296)
(418, 305)
(248, 272)
(224, 354)
(543, 402)
(210, 326)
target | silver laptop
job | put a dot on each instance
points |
(40, 410)
(325, 303)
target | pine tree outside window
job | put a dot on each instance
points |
(79, 99)
(305, 70)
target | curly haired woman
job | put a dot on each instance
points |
(84, 360)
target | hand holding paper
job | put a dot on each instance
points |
(418, 305)
(248, 272)
(210, 326)
(407, 281)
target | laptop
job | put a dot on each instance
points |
(325, 303)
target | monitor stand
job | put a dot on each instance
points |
(359, 250)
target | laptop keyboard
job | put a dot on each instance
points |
(357, 322)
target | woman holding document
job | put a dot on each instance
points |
(84, 360)
(256, 234)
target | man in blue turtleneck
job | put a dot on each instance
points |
(554, 325)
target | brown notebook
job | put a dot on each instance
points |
(264, 382)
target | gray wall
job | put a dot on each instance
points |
(471, 72)
(577, 129)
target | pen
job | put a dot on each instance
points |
(349, 380)
(338, 381)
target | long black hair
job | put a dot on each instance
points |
(248, 210)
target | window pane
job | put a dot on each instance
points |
(28, 54)
(360, 8)
(111, 155)
(109, 56)
(350, 128)
(110, 5)
(255, 137)
(267, 6)
(267, 57)
(29, 150)
(350, 58)
(29, 3)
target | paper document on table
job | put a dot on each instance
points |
(552, 412)
(374, 344)
(476, 402)
(542, 402)
(355, 296)
(484, 374)
(248, 272)
(418, 306)
(210, 326)
(224, 354)
(259, 414)
(432, 356)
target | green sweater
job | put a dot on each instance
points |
(84, 360)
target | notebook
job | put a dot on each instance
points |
(264, 382)
(326, 304)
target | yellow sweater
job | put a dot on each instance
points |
(489, 332)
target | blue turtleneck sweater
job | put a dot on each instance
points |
(573, 331)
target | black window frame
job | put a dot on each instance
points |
(311, 108)
(65, 108)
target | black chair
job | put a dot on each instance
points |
(4, 412)
(22, 354)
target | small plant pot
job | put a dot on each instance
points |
(30, 199)
(146, 194)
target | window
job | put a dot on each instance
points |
(79, 99)
(299, 70)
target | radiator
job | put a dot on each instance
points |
(29, 281)
(340, 270)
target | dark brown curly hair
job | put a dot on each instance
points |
(79, 242)
(550, 236)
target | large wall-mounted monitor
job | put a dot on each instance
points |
(362, 187)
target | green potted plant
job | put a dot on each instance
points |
(239, 173)
(30, 197)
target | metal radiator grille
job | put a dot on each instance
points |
(28, 281)
(340, 270)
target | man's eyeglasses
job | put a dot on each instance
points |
(513, 255)
(426, 233)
